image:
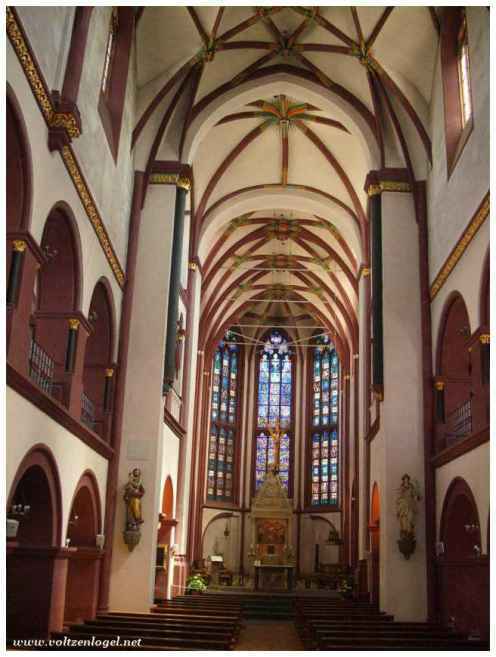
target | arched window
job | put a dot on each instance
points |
(455, 61)
(223, 419)
(274, 404)
(325, 431)
(110, 51)
(115, 72)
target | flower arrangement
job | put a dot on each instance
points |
(196, 583)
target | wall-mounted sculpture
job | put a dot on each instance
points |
(133, 492)
(406, 511)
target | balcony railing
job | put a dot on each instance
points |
(87, 412)
(459, 423)
(41, 367)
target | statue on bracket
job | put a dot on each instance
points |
(133, 492)
(406, 511)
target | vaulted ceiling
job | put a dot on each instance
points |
(281, 112)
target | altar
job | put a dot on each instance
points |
(271, 536)
(273, 577)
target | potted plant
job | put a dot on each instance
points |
(345, 587)
(195, 585)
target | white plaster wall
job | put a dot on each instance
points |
(316, 531)
(47, 168)
(49, 31)
(474, 468)
(451, 203)
(213, 537)
(27, 426)
(111, 183)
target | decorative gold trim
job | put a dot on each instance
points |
(92, 212)
(388, 186)
(366, 272)
(74, 324)
(163, 178)
(170, 179)
(54, 119)
(65, 120)
(192, 266)
(19, 44)
(109, 372)
(439, 385)
(461, 246)
(484, 338)
(19, 246)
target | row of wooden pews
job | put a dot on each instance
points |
(333, 624)
(180, 624)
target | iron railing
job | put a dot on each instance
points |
(87, 412)
(459, 423)
(41, 367)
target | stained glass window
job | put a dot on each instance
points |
(223, 414)
(325, 412)
(274, 406)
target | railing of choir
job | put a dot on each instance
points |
(41, 367)
(459, 423)
(87, 412)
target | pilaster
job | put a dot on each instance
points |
(133, 572)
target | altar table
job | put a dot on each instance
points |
(262, 569)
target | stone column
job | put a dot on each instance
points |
(363, 401)
(185, 474)
(133, 572)
(398, 446)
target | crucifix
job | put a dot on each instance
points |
(276, 435)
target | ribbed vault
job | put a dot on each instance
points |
(282, 112)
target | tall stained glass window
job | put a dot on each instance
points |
(325, 430)
(275, 390)
(223, 417)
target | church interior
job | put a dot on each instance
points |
(248, 345)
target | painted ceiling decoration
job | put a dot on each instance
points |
(282, 112)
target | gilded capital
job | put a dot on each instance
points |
(373, 190)
(109, 372)
(439, 385)
(484, 338)
(19, 245)
(74, 324)
(184, 183)
(192, 266)
(366, 271)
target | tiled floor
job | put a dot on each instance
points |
(268, 635)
